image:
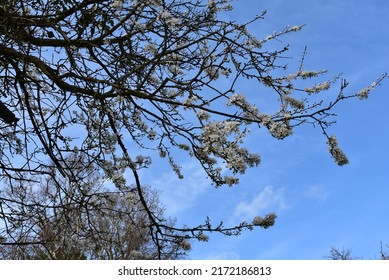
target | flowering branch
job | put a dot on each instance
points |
(106, 78)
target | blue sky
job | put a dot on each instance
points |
(318, 203)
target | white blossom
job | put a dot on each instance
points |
(236, 99)
(265, 119)
(184, 147)
(176, 169)
(162, 153)
(217, 140)
(252, 43)
(117, 4)
(211, 4)
(174, 21)
(250, 111)
(190, 100)
(230, 181)
(153, 79)
(295, 28)
(139, 159)
(309, 74)
(130, 197)
(154, 3)
(230, 126)
(294, 103)
(165, 15)
(140, 25)
(203, 237)
(257, 221)
(338, 155)
(175, 57)
(291, 77)
(203, 115)
(175, 69)
(32, 72)
(212, 72)
(142, 161)
(150, 48)
(226, 72)
(152, 134)
(204, 49)
(185, 245)
(279, 130)
(317, 88)
(364, 93)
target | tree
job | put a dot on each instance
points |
(345, 254)
(62, 221)
(108, 78)
(384, 254)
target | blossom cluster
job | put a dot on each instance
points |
(294, 103)
(203, 115)
(150, 48)
(202, 237)
(117, 4)
(265, 222)
(217, 139)
(364, 93)
(167, 17)
(221, 5)
(304, 74)
(318, 88)
(250, 111)
(279, 130)
(338, 155)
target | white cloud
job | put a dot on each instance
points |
(316, 192)
(179, 195)
(269, 198)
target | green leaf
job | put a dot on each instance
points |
(50, 34)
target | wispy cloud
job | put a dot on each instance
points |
(267, 199)
(317, 192)
(179, 195)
